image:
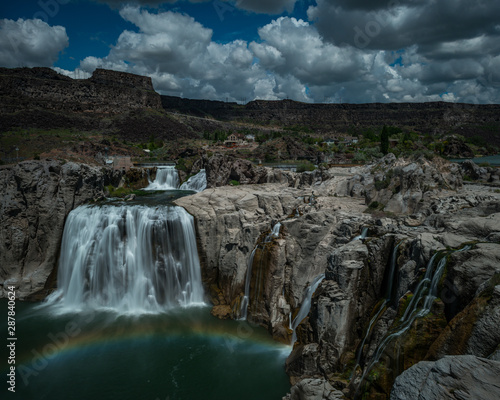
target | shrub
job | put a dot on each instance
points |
(374, 205)
(305, 166)
(234, 183)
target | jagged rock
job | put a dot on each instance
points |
(37, 197)
(456, 148)
(452, 377)
(473, 331)
(314, 389)
(467, 271)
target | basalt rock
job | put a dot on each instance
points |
(452, 377)
(37, 197)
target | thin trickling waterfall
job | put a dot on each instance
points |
(275, 232)
(306, 305)
(383, 305)
(363, 234)
(129, 259)
(248, 278)
(167, 178)
(429, 285)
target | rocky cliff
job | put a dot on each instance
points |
(109, 101)
(434, 118)
(363, 329)
(36, 199)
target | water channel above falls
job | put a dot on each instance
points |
(128, 320)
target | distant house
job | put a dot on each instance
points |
(350, 140)
(250, 138)
(234, 139)
(331, 142)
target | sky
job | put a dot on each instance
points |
(321, 51)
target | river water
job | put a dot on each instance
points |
(129, 320)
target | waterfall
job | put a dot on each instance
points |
(306, 305)
(246, 297)
(382, 307)
(196, 183)
(167, 178)
(364, 232)
(129, 259)
(428, 284)
(275, 232)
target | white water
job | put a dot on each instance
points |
(167, 178)
(248, 278)
(130, 259)
(364, 232)
(306, 305)
(196, 183)
(275, 232)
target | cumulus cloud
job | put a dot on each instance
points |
(30, 43)
(297, 59)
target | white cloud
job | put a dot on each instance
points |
(293, 60)
(30, 43)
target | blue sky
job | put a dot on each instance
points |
(313, 51)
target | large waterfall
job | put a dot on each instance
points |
(167, 178)
(129, 259)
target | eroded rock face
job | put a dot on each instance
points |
(314, 389)
(233, 221)
(452, 377)
(37, 197)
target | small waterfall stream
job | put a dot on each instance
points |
(383, 305)
(275, 232)
(167, 178)
(429, 285)
(129, 259)
(306, 305)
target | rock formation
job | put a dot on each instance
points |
(349, 337)
(458, 377)
(36, 198)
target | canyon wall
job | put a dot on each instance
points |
(36, 198)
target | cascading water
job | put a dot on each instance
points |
(244, 303)
(167, 178)
(428, 284)
(306, 305)
(129, 259)
(275, 232)
(383, 306)
(196, 183)
(363, 234)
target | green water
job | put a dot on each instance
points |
(184, 354)
(494, 161)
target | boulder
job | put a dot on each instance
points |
(452, 377)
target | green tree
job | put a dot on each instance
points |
(384, 141)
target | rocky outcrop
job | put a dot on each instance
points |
(37, 197)
(400, 186)
(232, 222)
(314, 389)
(457, 377)
(105, 92)
(456, 148)
(223, 169)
